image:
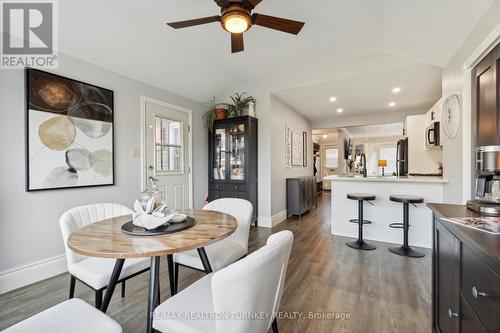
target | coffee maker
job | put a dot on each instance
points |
(487, 190)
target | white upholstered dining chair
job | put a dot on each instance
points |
(74, 315)
(95, 272)
(228, 250)
(224, 301)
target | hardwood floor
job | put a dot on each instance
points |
(377, 290)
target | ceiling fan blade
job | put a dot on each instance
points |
(190, 23)
(277, 23)
(225, 3)
(236, 43)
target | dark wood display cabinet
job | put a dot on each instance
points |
(465, 274)
(232, 167)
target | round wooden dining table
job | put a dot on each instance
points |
(105, 239)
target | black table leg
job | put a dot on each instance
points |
(112, 284)
(170, 263)
(154, 275)
(204, 260)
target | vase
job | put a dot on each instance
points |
(220, 113)
(251, 109)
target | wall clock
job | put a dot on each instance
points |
(450, 116)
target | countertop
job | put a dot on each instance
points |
(408, 179)
(487, 243)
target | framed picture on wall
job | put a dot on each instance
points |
(297, 149)
(288, 146)
(304, 149)
(69, 133)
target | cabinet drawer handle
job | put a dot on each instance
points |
(217, 196)
(476, 293)
(218, 186)
(236, 187)
(236, 196)
(452, 314)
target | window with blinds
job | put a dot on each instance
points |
(168, 145)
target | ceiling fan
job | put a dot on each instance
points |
(236, 17)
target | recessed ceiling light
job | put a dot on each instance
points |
(333, 99)
(391, 104)
(339, 110)
(396, 90)
(325, 136)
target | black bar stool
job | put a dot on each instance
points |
(360, 244)
(405, 249)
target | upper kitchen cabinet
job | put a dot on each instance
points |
(486, 94)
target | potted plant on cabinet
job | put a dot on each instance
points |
(228, 110)
(240, 103)
(217, 111)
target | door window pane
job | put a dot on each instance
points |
(168, 145)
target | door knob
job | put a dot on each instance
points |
(452, 314)
(476, 293)
(150, 168)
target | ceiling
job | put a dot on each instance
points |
(368, 131)
(354, 49)
(373, 131)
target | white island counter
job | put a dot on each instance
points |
(383, 212)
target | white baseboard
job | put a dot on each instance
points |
(265, 221)
(22, 276)
(278, 218)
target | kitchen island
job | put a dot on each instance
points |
(383, 212)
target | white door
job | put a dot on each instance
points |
(167, 151)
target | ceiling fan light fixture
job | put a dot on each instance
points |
(236, 19)
(235, 23)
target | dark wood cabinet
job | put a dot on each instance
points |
(465, 275)
(446, 265)
(300, 195)
(486, 98)
(232, 157)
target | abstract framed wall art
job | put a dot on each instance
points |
(69, 133)
(297, 148)
(304, 148)
(288, 146)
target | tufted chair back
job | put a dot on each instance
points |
(241, 210)
(252, 285)
(79, 217)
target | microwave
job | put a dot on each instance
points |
(432, 136)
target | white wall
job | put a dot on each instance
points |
(458, 190)
(283, 114)
(29, 224)
(421, 160)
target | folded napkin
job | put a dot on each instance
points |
(151, 220)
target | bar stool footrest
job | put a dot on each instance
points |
(364, 221)
(397, 225)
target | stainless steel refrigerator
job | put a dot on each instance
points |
(402, 158)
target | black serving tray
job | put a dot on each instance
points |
(168, 228)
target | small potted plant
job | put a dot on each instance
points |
(240, 103)
(216, 112)
(220, 111)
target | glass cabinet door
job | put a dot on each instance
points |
(219, 151)
(237, 152)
